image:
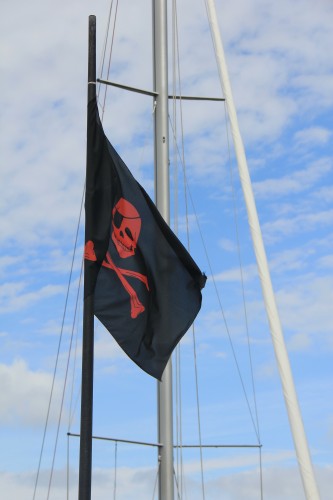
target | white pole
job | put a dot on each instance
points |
(290, 396)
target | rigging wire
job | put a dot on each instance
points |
(178, 412)
(156, 478)
(178, 385)
(177, 485)
(177, 73)
(64, 387)
(101, 68)
(58, 351)
(254, 421)
(257, 429)
(115, 470)
(260, 477)
(67, 469)
(71, 406)
(238, 247)
(110, 56)
(219, 302)
(234, 196)
(198, 412)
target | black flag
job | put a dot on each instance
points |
(147, 288)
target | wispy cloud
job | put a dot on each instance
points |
(305, 309)
(294, 182)
(247, 273)
(15, 297)
(312, 136)
(304, 222)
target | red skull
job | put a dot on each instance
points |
(126, 224)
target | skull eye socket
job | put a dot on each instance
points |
(117, 219)
(129, 233)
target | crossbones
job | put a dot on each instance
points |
(126, 226)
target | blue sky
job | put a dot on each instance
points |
(278, 54)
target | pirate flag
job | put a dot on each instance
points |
(146, 286)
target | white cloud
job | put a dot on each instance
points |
(25, 395)
(227, 245)
(248, 273)
(267, 369)
(14, 297)
(221, 354)
(138, 484)
(326, 262)
(299, 342)
(294, 182)
(7, 262)
(275, 230)
(324, 193)
(305, 309)
(239, 460)
(312, 136)
(52, 327)
(294, 259)
(280, 51)
(106, 347)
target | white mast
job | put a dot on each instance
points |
(290, 396)
(165, 424)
